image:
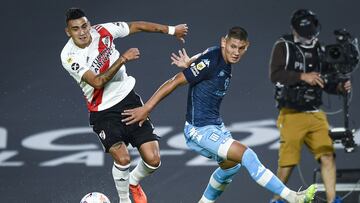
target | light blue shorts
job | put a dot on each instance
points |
(211, 141)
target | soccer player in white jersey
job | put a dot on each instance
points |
(92, 60)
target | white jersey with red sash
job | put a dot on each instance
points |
(98, 57)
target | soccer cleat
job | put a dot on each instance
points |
(307, 195)
(138, 194)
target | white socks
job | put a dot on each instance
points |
(141, 171)
(121, 178)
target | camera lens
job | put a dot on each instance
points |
(335, 53)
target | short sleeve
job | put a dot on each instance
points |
(117, 29)
(199, 70)
(75, 67)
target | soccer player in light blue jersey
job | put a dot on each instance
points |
(208, 75)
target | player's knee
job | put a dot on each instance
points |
(122, 160)
(153, 161)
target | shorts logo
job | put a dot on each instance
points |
(102, 135)
(214, 137)
(195, 135)
(75, 66)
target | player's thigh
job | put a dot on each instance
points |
(139, 136)
(110, 131)
(211, 141)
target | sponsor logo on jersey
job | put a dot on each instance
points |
(75, 66)
(102, 135)
(101, 59)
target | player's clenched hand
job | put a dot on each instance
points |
(131, 54)
(181, 31)
(182, 60)
(135, 115)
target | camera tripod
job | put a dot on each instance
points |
(344, 135)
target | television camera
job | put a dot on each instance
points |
(342, 59)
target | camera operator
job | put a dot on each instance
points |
(296, 69)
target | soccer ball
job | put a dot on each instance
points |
(95, 197)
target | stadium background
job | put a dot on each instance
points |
(40, 101)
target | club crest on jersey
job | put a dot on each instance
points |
(75, 66)
(102, 135)
(106, 41)
(69, 60)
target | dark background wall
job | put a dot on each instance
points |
(38, 96)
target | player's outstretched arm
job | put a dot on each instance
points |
(99, 81)
(140, 114)
(182, 60)
(179, 31)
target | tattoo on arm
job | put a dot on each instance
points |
(105, 77)
(147, 27)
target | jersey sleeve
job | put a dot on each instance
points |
(199, 70)
(76, 68)
(117, 29)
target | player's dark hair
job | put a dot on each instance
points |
(238, 33)
(74, 13)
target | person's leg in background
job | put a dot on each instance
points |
(293, 128)
(321, 145)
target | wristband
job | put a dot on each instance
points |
(171, 30)
(124, 58)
